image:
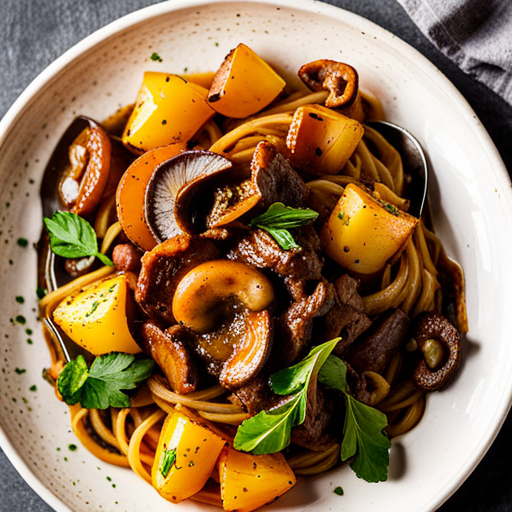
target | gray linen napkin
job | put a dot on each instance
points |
(476, 34)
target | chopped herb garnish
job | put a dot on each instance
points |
(155, 57)
(278, 219)
(167, 460)
(270, 431)
(29, 341)
(72, 447)
(391, 209)
(73, 237)
(101, 385)
(19, 371)
(29, 332)
(95, 305)
(22, 242)
(339, 491)
(33, 388)
(41, 292)
(21, 319)
(20, 299)
(363, 439)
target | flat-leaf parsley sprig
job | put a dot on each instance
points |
(71, 236)
(270, 431)
(101, 385)
(364, 441)
(278, 219)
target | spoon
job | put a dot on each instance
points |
(413, 159)
(51, 272)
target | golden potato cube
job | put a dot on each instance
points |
(363, 233)
(168, 109)
(322, 139)
(244, 84)
(185, 458)
(248, 482)
(96, 318)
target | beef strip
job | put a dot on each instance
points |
(358, 385)
(276, 179)
(373, 350)
(272, 180)
(347, 317)
(318, 432)
(169, 350)
(293, 329)
(256, 396)
(164, 267)
(295, 267)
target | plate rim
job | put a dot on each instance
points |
(352, 19)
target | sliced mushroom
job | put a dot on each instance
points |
(216, 199)
(341, 80)
(224, 304)
(162, 191)
(170, 352)
(162, 269)
(201, 295)
(250, 353)
(440, 343)
(89, 156)
(96, 164)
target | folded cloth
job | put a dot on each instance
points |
(476, 34)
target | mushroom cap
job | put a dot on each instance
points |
(167, 180)
(340, 79)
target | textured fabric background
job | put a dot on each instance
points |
(476, 35)
(35, 32)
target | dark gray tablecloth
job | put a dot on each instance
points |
(35, 32)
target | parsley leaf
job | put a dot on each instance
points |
(278, 219)
(155, 57)
(270, 431)
(71, 236)
(363, 439)
(100, 386)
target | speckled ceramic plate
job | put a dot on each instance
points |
(471, 201)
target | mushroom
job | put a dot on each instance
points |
(166, 181)
(96, 165)
(440, 343)
(162, 269)
(224, 304)
(170, 353)
(216, 199)
(202, 293)
(340, 79)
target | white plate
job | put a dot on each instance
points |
(472, 208)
